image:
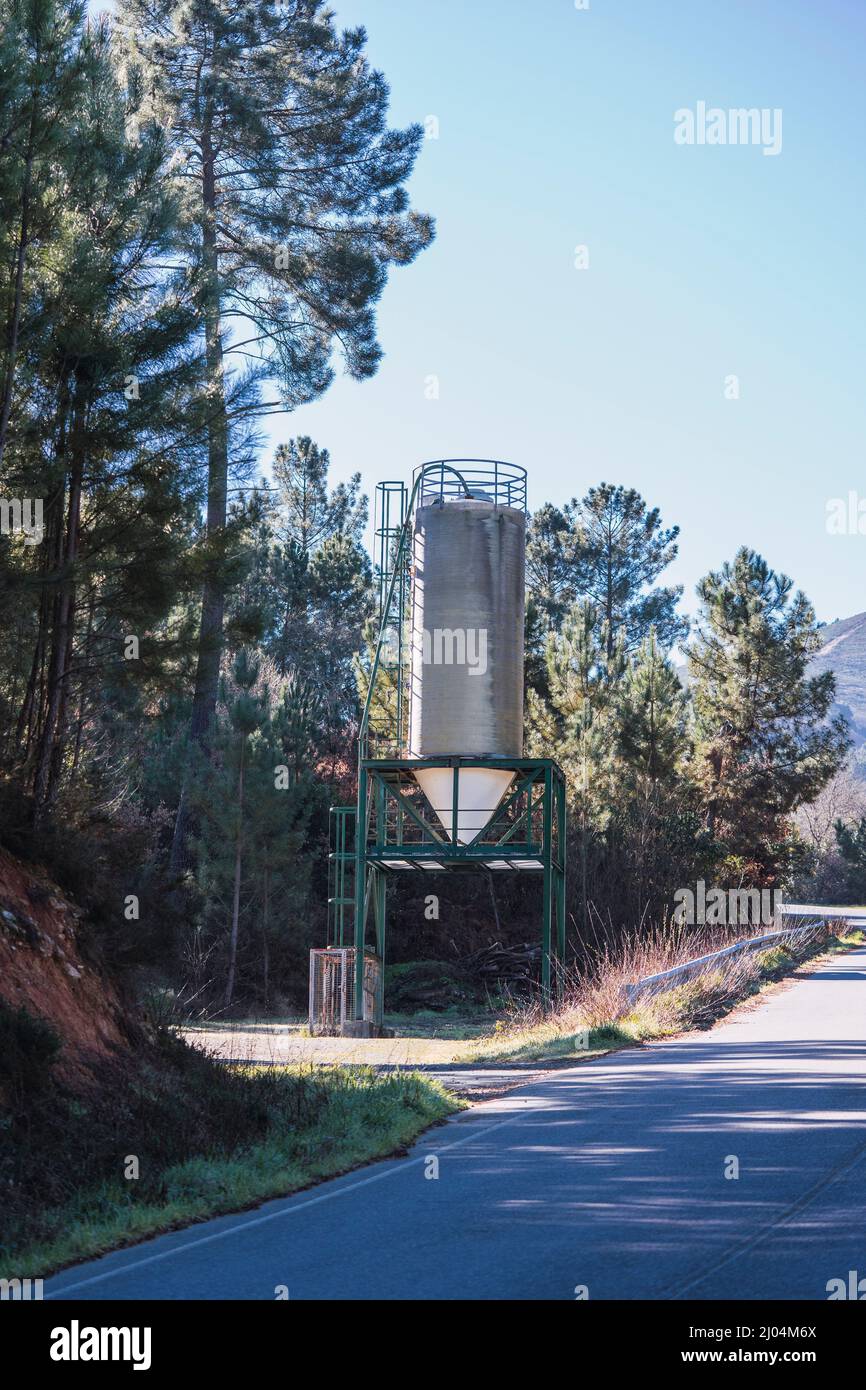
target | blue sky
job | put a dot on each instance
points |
(556, 130)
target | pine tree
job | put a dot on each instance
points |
(341, 604)
(573, 717)
(655, 830)
(278, 858)
(247, 710)
(617, 724)
(317, 593)
(623, 550)
(41, 84)
(553, 578)
(851, 840)
(609, 548)
(107, 429)
(573, 722)
(308, 513)
(297, 724)
(253, 797)
(583, 671)
(765, 742)
(296, 209)
(652, 719)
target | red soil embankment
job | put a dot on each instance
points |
(43, 969)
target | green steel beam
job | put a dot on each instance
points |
(382, 784)
(340, 857)
(412, 764)
(380, 888)
(547, 888)
(438, 847)
(360, 887)
(405, 805)
(524, 785)
(525, 816)
(455, 803)
(561, 831)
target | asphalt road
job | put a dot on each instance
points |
(609, 1175)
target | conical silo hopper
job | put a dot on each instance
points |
(468, 596)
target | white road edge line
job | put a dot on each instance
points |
(310, 1202)
(287, 1210)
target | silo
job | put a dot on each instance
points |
(467, 647)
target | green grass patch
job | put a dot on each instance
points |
(454, 1024)
(775, 963)
(851, 938)
(550, 1039)
(206, 1139)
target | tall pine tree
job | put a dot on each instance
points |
(42, 82)
(609, 548)
(296, 209)
(765, 741)
(107, 427)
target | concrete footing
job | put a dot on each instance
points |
(364, 1028)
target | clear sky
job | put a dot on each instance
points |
(556, 130)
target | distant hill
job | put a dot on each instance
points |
(844, 653)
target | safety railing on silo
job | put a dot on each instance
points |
(486, 480)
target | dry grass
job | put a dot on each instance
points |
(595, 1014)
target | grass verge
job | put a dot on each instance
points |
(595, 1019)
(174, 1138)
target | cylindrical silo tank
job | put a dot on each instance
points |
(467, 650)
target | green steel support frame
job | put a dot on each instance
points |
(341, 865)
(394, 827)
(396, 831)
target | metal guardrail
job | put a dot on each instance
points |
(852, 913)
(656, 983)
